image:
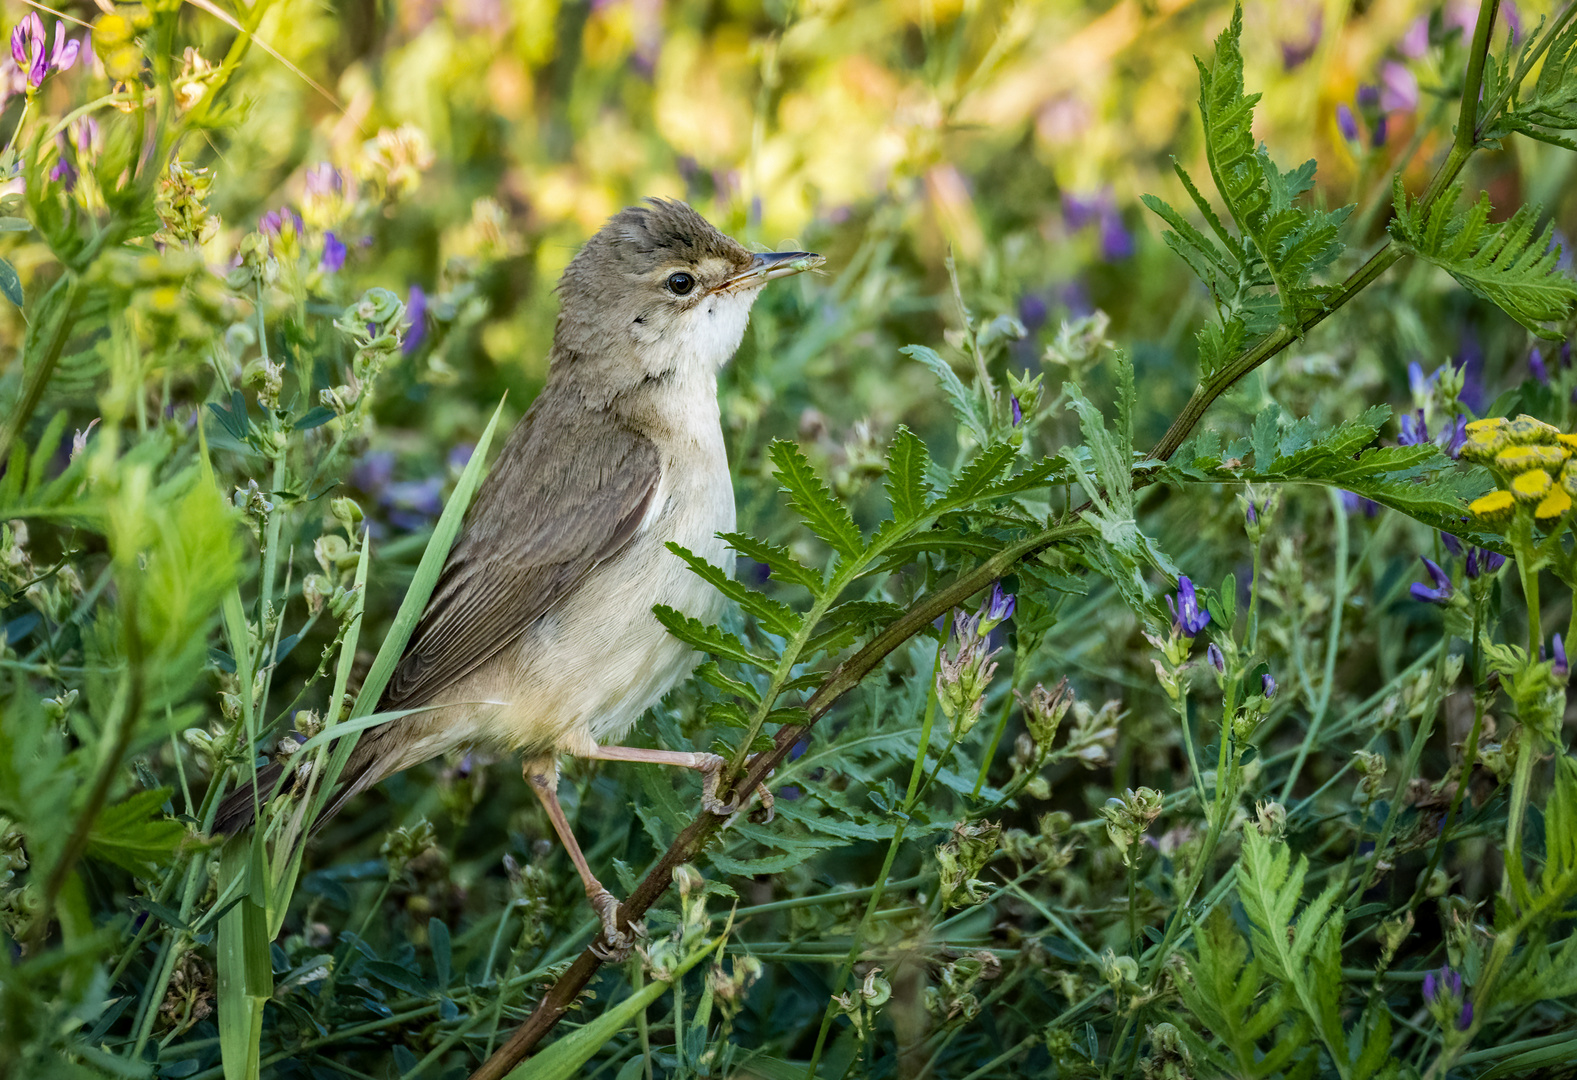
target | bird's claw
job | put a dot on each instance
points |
(711, 774)
(615, 945)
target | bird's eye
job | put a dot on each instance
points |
(680, 284)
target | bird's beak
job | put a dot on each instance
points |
(772, 264)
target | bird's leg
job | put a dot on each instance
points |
(710, 766)
(542, 775)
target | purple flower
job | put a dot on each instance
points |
(1377, 133)
(1441, 593)
(1536, 366)
(1354, 503)
(1448, 982)
(1267, 686)
(29, 48)
(323, 179)
(1295, 53)
(1100, 209)
(64, 171)
(1483, 561)
(333, 260)
(1415, 42)
(1018, 412)
(373, 472)
(1415, 432)
(1452, 544)
(1187, 618)
(1251, 514)
(1452, 436)
(416, 312)
(1465, 1018)
(412, 504)
(274, 221)
(1398, 88)
(998, 608)
(1346, 123)
(64, 54)
(1032, 311)
(460, 456)
(1561, 668)
(1368, 97)
(1509, 12)
(1420, 384)
(1217, 661)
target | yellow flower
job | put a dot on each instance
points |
(1518, 458)
(1569, 477)
(1532, 485)
(1568, 441)
(1554, 504)
(1486, 425)
(1492, 507)
(1527, 430)
(1483, 445)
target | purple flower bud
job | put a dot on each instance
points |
(1368, 96)
(1377, 135)
(1452, 436)
(1398, 88)
(29, 48)
(1536, 366)
(1116, 241)
(1417, 381)
(1267, 686)
(333, 260)
(1187, 617)
(1484, 561)
(1415, 431)
(1217, 661)
(1251, 515)
(1441, 593)
(64, 171)
(1018, 413)
(1513, 19)
(1032, 311)
(1452, 544)
(1430, 987)
(1561, 668)
(1453, 980)
(1346, 123)
(416, 312)
(1465, 1018)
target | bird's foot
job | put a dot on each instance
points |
(711, 773)
(615, 945)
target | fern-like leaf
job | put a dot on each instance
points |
(1515, 265)
(774, 616)
(823, 514)
(907, 487)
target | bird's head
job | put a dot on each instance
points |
(659, 291)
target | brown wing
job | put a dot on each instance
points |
(548, 514)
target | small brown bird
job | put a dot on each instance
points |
(539, 636)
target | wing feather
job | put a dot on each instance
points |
(547, 515)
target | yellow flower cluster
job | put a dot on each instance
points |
(1534, 463)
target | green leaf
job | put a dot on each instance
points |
(842, 625)
(135, 834)
(784, 566)
(1552, 105)
(1560, 826)
(908, 490)
(976, 480)
(10, 283)
(15, 224)
(1514, 265)
(709, 672)
(967, 404)
(708, 639)
(774, 616)
(823, 514)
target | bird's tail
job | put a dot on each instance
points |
(240, 808)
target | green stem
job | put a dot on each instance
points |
(1529, 746)
(915, 773)
(1338, 600)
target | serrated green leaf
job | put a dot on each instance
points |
(967, 404)
(976, 479)
(784, 566)
(908, 490)
(823, 514)
(135, 834)
(708, 639)
(709, 672)
(1514, 265)
(775, 616)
